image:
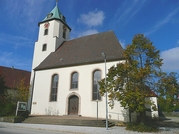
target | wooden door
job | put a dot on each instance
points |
(73, 105)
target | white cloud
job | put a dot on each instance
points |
(10, 59)
(127, 11)
(170, 59)
(122, 42)
(93, 18)
(178, 42)
(15, 41)
(87, 32)
(26, 13)
(162, 22)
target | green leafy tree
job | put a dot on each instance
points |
(130, 82)
(22, 91)
(3, 92)
(168, 90)
(3, 96)
(2, 86)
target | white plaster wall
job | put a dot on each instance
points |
(40, 55)
(87, 107)
(53, 41)
(153, 114)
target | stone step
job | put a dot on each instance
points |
(68, 121)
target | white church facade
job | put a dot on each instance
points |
(65, 73)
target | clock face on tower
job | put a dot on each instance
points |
(46, 25)
(49, 15)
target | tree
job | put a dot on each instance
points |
(22, 91)
(130, 82)
(3, 97)
(168, 90)
(2, 86)
(3, 92)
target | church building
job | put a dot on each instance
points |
(65, 72)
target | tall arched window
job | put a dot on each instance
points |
(96, 79)
(74, 80)
(54, 88)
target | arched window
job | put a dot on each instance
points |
(96, 79)
(74, 80)
(46, 31)
(54, 88)
(44, 47)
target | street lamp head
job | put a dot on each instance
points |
(104, 55)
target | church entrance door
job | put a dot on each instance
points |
(73, 105)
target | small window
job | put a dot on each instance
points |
(44, 47)
(46, 32)
(96, 79)
(74, 80)
(54, 88)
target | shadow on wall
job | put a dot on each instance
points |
(126, 116)
(51, 111)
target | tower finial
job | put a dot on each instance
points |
(56, 2)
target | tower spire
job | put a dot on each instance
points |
(56, 2)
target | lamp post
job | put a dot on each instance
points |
(104, 57)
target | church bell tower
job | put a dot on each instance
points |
(53, 31)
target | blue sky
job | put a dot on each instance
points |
(158, 20)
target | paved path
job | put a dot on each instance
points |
(82, 130)
(174, 119)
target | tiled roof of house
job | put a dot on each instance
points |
(12, 76)
(84, 50)
(150, 93)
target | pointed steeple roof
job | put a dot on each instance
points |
(55, 14)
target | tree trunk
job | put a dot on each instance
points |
(130, 119)
(142, 117)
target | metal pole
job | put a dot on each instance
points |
(97, 109)
(106, 98)
(104, 56)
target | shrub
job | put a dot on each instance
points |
(141, 127)
(8, 109)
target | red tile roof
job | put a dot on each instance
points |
(150, 93)
(12, 76)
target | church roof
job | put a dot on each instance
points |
(55, 14)
(84, 50)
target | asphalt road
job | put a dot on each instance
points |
(13, 130)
